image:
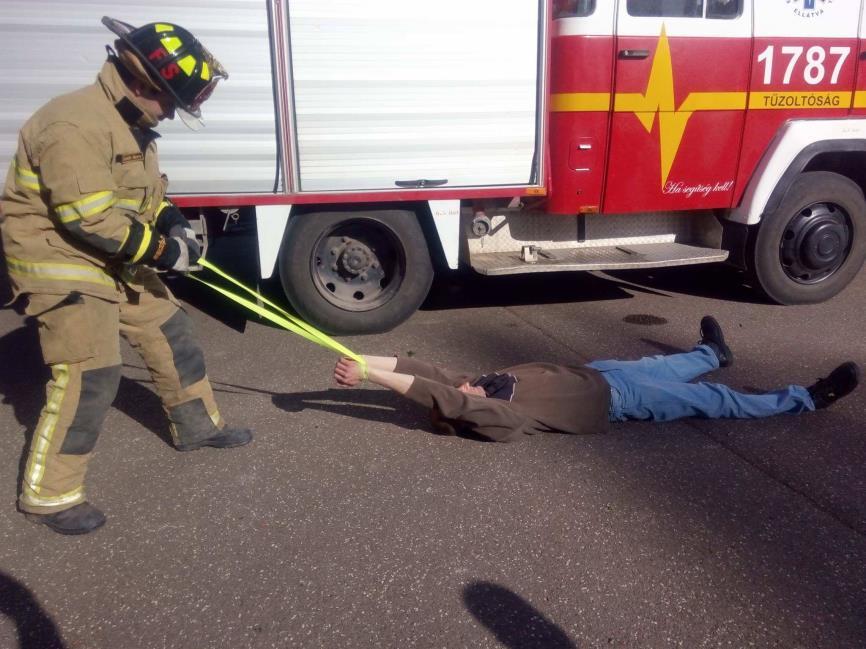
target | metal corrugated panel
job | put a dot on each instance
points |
(48, 47)
(388, 90)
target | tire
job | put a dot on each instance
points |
(814, 243)
(355, 272)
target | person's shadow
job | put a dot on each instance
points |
(35, 628)
(378, 406)
(514, 621)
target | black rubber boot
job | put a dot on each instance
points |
(712, 337)
(841, 381)
(81, 519)
(226, 438)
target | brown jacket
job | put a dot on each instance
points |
(546, 398)
(80, 175)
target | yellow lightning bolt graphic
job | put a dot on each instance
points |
(659, 100)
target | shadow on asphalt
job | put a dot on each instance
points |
(459, 289)
(514, 622)
(815, 567)
(715, 281)
(378, 406)
(35, 628)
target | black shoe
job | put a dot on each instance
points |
(712, 337)
(81, 519)
(226, 438)
(841, 381)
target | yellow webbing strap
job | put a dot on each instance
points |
(281, 317)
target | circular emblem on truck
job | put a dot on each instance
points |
(809, 8)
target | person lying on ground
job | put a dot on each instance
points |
(544, 397)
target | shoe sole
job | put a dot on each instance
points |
(36, 519)
(184, 449)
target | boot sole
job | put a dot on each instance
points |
(36, 519)
(184, 449)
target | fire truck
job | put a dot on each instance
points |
(376, 141)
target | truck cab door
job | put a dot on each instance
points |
(803, 68)
(581, 62)
(681, 82)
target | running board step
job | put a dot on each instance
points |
(645, 255)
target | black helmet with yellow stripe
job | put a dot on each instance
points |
(173, 60)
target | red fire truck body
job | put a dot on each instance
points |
(643, 133)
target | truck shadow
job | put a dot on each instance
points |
(465, 288)
(715, 281)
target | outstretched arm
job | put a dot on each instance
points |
(380, 370)
(490, 418)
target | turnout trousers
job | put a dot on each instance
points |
(80, 340)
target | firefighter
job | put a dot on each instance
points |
(86, 225)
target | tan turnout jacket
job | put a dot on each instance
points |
(81, 174)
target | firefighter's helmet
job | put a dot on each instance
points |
(173, 60)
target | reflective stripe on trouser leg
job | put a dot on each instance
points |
(162, 333)
(80, 343)
(62, 444)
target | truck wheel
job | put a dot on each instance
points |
(814, 243)
(355, 272)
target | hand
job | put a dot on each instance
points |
(347, 373)
(178, 255)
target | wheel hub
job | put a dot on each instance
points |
(354, 265)
(815, 243)
(356, 258)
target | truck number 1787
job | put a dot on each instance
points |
(815, 68)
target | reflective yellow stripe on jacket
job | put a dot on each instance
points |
(26, 178)
(130, 204)
(84, 208)
(59, 272)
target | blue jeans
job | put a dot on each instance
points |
(658, 388)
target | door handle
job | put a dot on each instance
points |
(633, 54)
(421, 183)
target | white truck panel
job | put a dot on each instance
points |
(271, 221)
(807, 19)
(48, 47)
(388, 90)
(791, 140)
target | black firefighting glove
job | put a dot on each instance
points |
(170, 218)
(178, 254)
(145, 245)
(172, 223)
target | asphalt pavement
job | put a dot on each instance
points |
(348, 523)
